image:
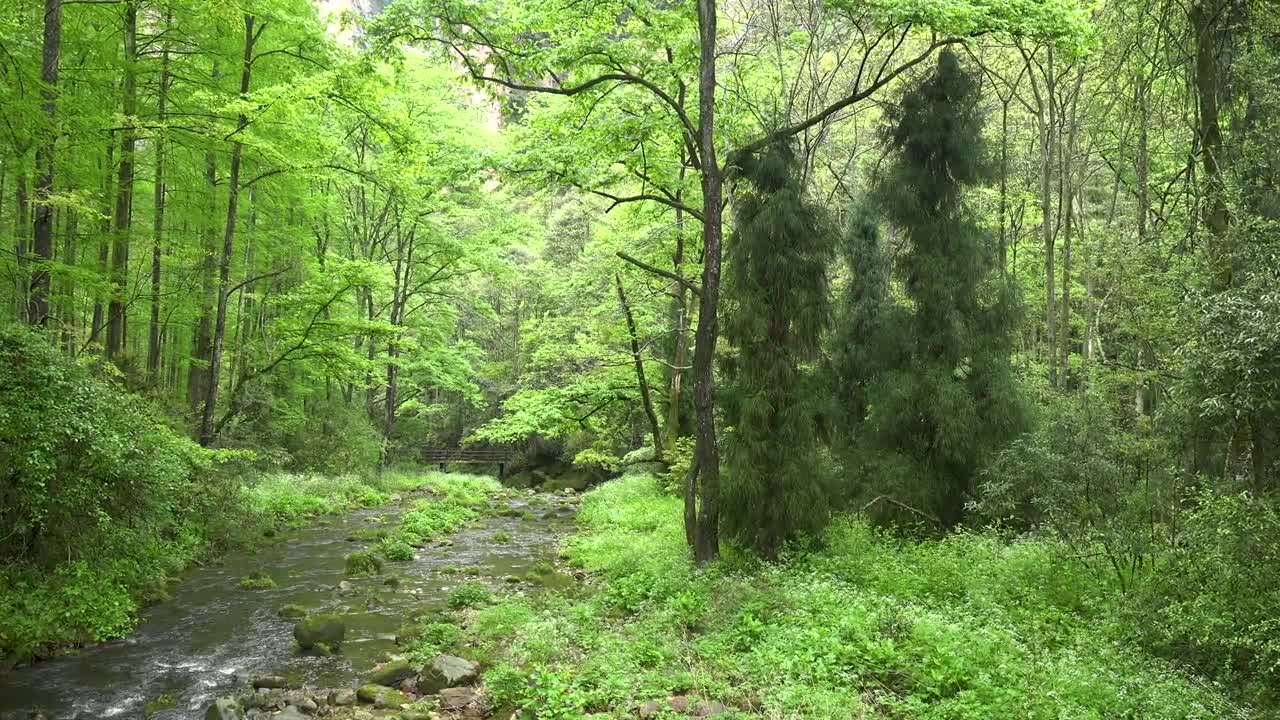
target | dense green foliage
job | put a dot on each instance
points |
(993, 366)
(935, 381)
(970, 627)
(777, 291)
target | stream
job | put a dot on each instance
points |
(211, 635)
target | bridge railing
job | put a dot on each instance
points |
(482, 456)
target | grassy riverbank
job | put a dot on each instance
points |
(868, 626)
(120, 568)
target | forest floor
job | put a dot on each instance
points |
(867, 625)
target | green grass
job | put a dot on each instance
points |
(455, 500)
(971, 627)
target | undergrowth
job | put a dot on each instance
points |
(972, 627)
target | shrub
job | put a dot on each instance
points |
(1214, 602)
(363, 563)
(395, 550)
(469, 594)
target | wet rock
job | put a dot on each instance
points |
(409, 685)
(224, 708)
(392, 674)
(290, 713)
(320, 630)
(446, 671)
(392, 581)
(342, 698)
(268, 682)
(461, 698)
(308, 705)
(711, 708)
(381, 696)
(293, 612)
(679, 703)
(346, 588)
(265, 699)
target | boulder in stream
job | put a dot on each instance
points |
(392, 674)
(320, 630)
(270, 682)
(446, 671)
(225, 708)
(381, 696)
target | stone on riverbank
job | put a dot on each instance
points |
(392, 674)
(446, 671)
(270, 682)
(381, 696)
(225, 709)
(320, 630)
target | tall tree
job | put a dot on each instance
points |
(776, 487)
(121, 229)
(939, 413)
(42, 233)
(207, 427)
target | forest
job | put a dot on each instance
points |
(833, 358)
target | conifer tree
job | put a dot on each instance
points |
(941, 398)
(776, 286)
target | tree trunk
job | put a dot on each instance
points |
(104, 248)
(157, 245)
(680, 344)
(198, 372)
(68, 308)
(707, 545)
(1143, 169)
(1205, 16)
(42, 233)
(124, 190)
(1069, 182)
(645, 398)
(1049, 128)
(1004, 187)
(21, 226)
(228, 241)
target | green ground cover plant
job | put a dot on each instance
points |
(868, 625)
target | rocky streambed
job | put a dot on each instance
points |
(200, 653)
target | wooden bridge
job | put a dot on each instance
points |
(460, 456)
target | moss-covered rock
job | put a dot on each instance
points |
(292, 612)
(257, 581)
(392, 674)
(381, 696)
(323, 631)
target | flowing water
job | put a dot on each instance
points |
(211, 635)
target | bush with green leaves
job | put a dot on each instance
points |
(1213, 602)
(100, 500)
(395, 549)
(469, 594)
